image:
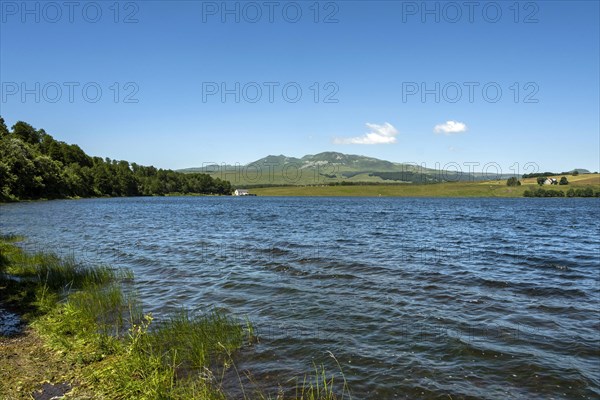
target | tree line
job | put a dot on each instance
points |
(547, 174)
(33, 165)
(579, 192)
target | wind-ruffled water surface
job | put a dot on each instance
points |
(416, 298)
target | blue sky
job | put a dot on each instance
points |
(369, 60)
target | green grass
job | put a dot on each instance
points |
(450, 189)
(315, 385)
(321, 386)
(84, 313)
(191, 340)
(93, 330)
(37, 282)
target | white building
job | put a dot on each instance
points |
(241, 192)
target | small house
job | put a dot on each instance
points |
(550, 181)
(241, 192)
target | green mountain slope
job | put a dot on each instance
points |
(330, 167)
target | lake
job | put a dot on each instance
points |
(416, 298)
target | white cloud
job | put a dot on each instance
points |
(378, 134)
(450, 127)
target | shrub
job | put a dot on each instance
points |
(563, 181)
(513, 182)
(587, 192)
(543, 193)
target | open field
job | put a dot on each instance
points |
(576, 180)
(450, 189)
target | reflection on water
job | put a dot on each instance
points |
(417, 298)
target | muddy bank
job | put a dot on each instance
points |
(28, 369)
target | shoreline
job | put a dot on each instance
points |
(448, 190)
(473, 189)
(110, 197)
(93, 339)
(371, 191)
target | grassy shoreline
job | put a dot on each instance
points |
(482, 189)
(497, 188)
(86, 336)
(477, 189)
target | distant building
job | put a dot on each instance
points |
(550, 181)
(241, 192)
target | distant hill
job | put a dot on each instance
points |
(331, 167)
(582, 171)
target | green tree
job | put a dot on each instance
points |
(102, 179)
(26, 132)
(3, 129)
(563, 181)
(18, 157)
(7, 179)
(513, 182)
(126, 181)
(541, 180)
(35, 165)
(74, 181)
(49, 175)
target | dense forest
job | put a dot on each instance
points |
(33, 165)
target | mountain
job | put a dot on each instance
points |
(330, 167)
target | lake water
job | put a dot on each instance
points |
(416, 298)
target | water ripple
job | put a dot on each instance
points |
(417, 298)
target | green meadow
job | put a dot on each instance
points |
(496, 188)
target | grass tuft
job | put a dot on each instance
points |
(321, 386)
(192, 341)
(61, 273)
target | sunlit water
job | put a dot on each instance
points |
(416, 298)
